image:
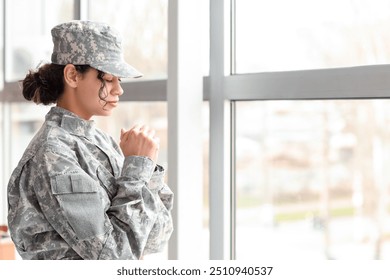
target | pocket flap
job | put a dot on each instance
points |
(73, 183)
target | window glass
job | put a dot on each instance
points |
(2, 182)
(1, 51)
(312, 179)
(26, 119)
(204, 247)
(143, 26)
(28, 35)
(289, 35)
(3, 194)
(204, 21)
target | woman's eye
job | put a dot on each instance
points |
(109, 81)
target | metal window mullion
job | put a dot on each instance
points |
(184, 94)
(219, 184)
(4, 32)
(338, 83)
(81, 9)
(233, 196)
(233, 190)
(232, 37)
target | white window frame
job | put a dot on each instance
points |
(361, 82)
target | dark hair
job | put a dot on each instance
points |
(46, 84)
(102, 94)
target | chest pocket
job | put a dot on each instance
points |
(81, 203)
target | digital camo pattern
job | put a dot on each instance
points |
(74, 196)
(92, 43)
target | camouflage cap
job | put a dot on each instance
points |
(92, 43)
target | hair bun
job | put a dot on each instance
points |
(44, 85)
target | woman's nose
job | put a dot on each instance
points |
(117, 89)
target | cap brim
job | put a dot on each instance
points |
(119, 69)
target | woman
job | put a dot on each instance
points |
(75, 193)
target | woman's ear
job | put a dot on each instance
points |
(70, 75)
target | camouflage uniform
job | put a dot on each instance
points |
(74, 196)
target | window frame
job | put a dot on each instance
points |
(358, 82)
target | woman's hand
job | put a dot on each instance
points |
(140, 141)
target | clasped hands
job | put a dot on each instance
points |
(140, 140)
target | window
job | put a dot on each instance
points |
(3, 193)
(2, 169)
(287, 35)
(26, 119)
(27, 43)
(312, 180)
(28, 38)
(143, 25)
(309, 129)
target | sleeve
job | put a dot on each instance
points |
(157, 238)
(135, 219)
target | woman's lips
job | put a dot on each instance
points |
(113, 103)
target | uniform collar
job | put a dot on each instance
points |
(71, 122)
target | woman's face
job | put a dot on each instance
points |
(87, 94)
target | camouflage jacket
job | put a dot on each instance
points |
(74, 196)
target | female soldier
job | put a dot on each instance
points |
(75, 193)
